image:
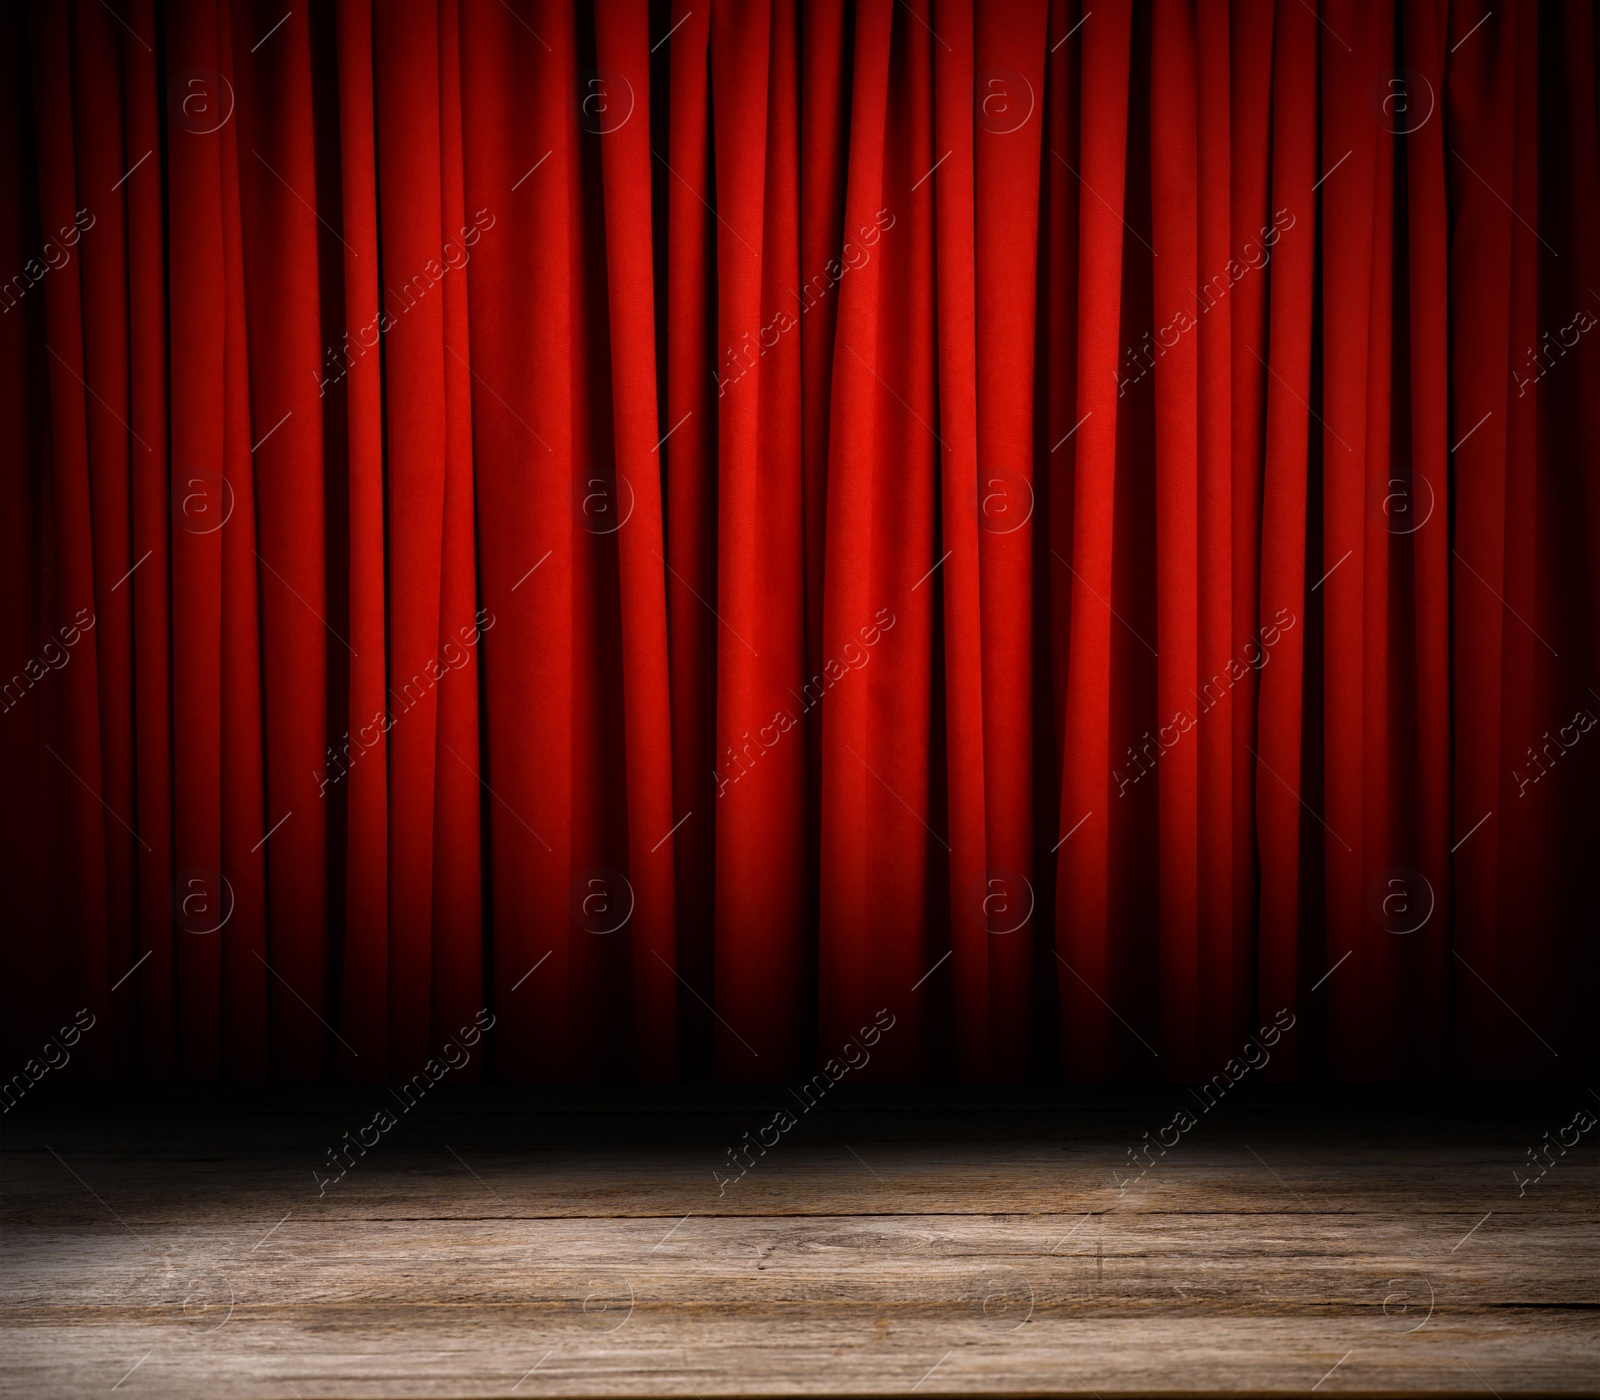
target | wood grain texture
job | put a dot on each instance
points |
(500, 1242)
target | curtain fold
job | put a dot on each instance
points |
(905, 538)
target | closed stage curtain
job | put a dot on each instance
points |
(905, 539)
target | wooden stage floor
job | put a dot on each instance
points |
(565, 1242)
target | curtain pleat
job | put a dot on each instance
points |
(1094, 1036)
(906, 538)
(623, 40)
(1286, 779)
(965, 980)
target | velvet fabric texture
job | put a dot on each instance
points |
(686, 531)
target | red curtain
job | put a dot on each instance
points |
(928, 538)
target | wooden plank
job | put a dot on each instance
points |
(1358, 1244)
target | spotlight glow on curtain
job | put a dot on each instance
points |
(687, 528)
